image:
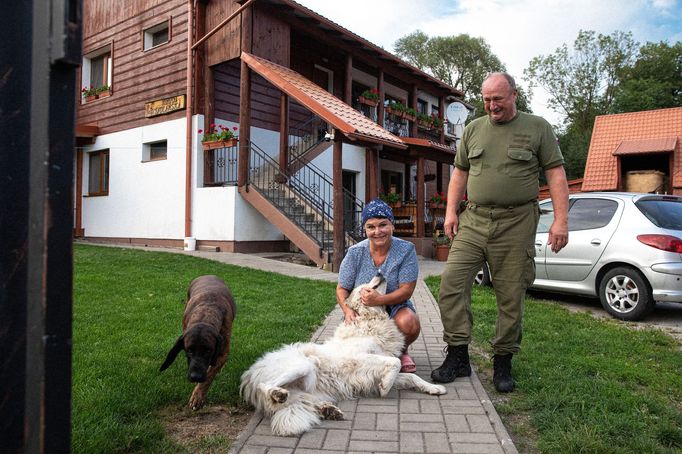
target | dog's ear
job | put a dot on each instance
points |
(177, 348)
(218, 349)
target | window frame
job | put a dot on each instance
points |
(147, 149)
(107, 73)
(148, 34)
(103, 180)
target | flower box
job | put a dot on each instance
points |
(369, 102)
(212, 145)
(90, 98)
(441, 252)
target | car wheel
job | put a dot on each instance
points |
(483, 276)
(625, 294)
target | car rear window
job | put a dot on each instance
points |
(664, 213)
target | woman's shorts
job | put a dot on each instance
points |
(392, 310)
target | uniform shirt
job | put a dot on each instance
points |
(400, 266)
(503, 160)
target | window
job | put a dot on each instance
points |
(422, 106)
(96, 71)
(155, 151)
(587, 214)
(156, 35)
(98, 173)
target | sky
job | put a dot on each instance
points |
(516, 30)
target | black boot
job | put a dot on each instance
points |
(502, 377)
(456, 364)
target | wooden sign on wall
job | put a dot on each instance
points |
(164, 106)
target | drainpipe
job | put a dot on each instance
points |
(188, 118)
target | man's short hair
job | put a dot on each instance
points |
(510, 79)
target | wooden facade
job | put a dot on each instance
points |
(138, 76)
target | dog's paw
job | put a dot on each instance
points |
(196, 401)
(279, 395)
(330, 411)
(437, 390)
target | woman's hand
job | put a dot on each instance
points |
(370, 297)
(349, 315)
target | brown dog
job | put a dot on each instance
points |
(206, 330)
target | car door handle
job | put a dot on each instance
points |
(538, 243)
(595, 242)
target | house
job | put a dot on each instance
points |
(636, 152)
(325, 122)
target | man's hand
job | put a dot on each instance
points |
(450, 226)
(349, 315)
(558, 236)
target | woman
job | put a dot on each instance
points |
(396, 260)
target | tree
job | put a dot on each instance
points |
(653, 82)
(460, 61)
(582, 82)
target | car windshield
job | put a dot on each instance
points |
(664, 213)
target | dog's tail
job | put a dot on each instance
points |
(299, 415)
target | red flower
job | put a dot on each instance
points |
(200, 131)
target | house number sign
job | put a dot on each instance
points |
(164, 106)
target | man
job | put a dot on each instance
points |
(498, 165)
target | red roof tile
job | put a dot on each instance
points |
(664, 144)
(635, 131)
(343, 117)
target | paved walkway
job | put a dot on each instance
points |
(461, 421)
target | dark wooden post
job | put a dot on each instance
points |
(439, 177)
(441, 115)
(348, 85)
(406, 181)
(420, 198)
(283, 131)
(382, 98)
(337, 180)
(245, 101)
(413, 104)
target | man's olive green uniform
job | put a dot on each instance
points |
(498, 225)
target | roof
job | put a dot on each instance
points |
(635, 132)
(360, 43)
(343, 117)
(664, 144)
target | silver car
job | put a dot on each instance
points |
(625, 248)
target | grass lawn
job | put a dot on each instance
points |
(583, 385)
(128, 307)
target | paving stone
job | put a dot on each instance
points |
(420, 417)
(436, 443)
(373, 446)
(312, 439)
(272, 441)
(456, 423)
(429, 406)
(475, 448)
(374, 435)
(411, 442)
(387, 422)
(473, 437)
(337, 439)
(365, 421)
(479, 423)
(409, 406)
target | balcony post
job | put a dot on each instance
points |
(337, 179)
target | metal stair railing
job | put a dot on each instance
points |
(305, 197)
(306, 135)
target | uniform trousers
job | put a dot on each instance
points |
(504, 237)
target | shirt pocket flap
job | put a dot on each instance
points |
(475, 153)
(520, 154)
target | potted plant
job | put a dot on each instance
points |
(438, 200)
(410, 114)
(396, 108)
(218, 136)
(424, 121)
(441, 245)
(369, 97)
(102, 91)
(392, 198)
(89, 93)
(436, 122)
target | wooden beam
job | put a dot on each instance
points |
(382, 96)
(337, 179)
(283, 131)
(420, 198)
(441, 115)
(245, 100)
(348, 82)
(413, 103)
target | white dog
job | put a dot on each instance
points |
(299, 384)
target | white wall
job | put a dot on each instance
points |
(146, 199)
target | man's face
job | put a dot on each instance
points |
(499, 99)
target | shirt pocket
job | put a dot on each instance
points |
(475, 158)
(521, 163)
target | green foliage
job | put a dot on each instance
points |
(653, 82)
(581, 82)
(585, 384)
(460, 61)
(574, 145)
(128, 307)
